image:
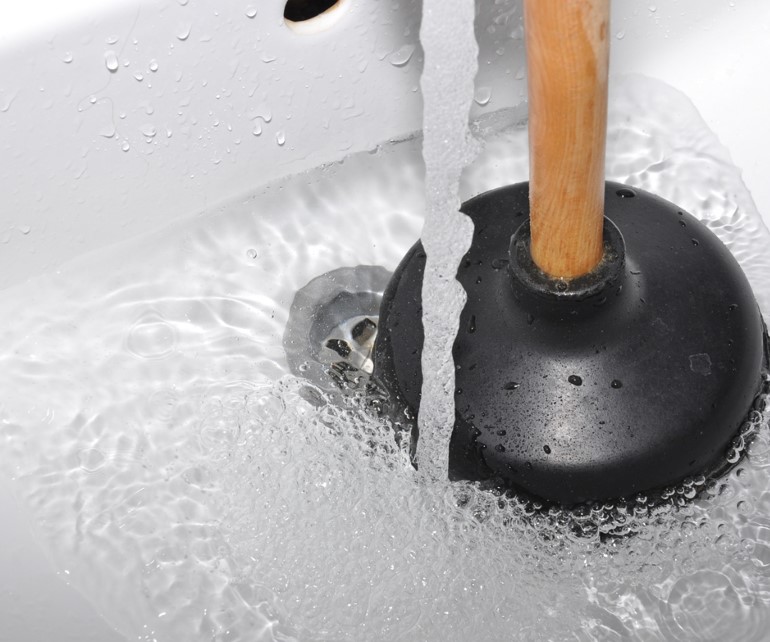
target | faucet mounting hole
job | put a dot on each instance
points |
(311, 16)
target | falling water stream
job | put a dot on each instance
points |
(193, 489)
(450, 68)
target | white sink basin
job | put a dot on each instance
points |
(116, 121)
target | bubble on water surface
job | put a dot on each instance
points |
(151, 337)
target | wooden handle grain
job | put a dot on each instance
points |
(567, 62)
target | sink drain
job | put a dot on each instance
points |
(329, 338)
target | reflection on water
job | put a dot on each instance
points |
(194, 493)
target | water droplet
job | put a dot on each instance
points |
(138, 76)
(111, 40)
(257, 130)
(701, 363)
(695, 242)
(252, 253)
(483, 95)
(263, 112)
(184, 32)
(511, 385)
(148, 131)
(111, 61)
(153, 65)
(620, 34)
(575, 380)
(280, 138)
(732, 307)
(625, 192)
(472, 324)
(402, 56)
(652, 8)
(151, 337)
(547, 449)
(68, 57)
(616, 383)
(251, 12)
(25, 229)
(500, 448)
(125, 146)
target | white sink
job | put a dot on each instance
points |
(116, 121)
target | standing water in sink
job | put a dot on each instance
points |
(193, 490)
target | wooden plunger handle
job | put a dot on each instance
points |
(567, 62)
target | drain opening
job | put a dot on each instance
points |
(332, 326)
(311, 15)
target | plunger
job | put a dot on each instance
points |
(610, 344)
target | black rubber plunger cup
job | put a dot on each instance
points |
(629, 379)
(625, 378)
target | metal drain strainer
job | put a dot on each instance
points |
(333, 324)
